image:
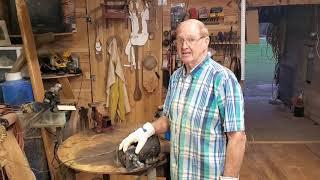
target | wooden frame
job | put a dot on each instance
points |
(4, 36)
(260, 3)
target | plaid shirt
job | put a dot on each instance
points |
(201, 107)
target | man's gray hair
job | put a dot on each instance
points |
(203, 29)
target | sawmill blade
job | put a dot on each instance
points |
(148, 156)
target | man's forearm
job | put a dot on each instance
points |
(234, 154)
(161, 125)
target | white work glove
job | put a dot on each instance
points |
(141, 136)
(228, 178)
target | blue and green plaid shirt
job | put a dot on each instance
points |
(202, 106)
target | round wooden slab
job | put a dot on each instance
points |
(95, 153)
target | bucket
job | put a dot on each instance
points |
(17, 92)
(13, 76)
(167, 135)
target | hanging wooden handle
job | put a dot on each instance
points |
(137, 95)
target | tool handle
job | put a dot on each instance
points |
(137, 95)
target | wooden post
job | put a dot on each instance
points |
(16, 166)
(30, 50)
(34, 73)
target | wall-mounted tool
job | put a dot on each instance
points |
(311, 56)
(216, 14)
(65, 62)
(137, 95)
(203, 14)
(177, 14)
(150, 74)
(115, 10)
(193, 13)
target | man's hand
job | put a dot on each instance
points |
(141, 136)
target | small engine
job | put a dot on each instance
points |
(148, 155)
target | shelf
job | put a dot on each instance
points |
(214, 28)
(225, 43)
(7, 52)
(54, 34)
(64, 81)
(5, 67)
(11, 47)
(55, 76)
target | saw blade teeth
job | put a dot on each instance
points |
(3, 133)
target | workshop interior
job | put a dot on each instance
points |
(77, 76)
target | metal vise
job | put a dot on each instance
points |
(101, 122)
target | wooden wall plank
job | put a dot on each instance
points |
(230, 8)
(98, 65)
(259, 3)
(144, 109)
(77, 43)
(3, 10)
(252, 27)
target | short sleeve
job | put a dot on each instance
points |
(231, 104)
(167, 102)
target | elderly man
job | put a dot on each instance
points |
(204, 109)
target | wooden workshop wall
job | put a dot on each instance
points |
(259, 3)
(77, 43)
(91, 86)
(74, 42)
(230, 9)
(294, 64)
(312, 98)
(231, 18)
(144, 109)
(94, 69)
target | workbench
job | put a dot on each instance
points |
(95, 153)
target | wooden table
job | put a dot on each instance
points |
(90, 152)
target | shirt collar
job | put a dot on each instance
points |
(195, 71)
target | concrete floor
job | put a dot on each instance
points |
(266, 122)
(280, 146)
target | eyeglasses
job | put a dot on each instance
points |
(189, 41)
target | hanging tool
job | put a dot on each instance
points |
(150, 77)
(203, 14)
(137, 95)
(193, 13)
(215, 14)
